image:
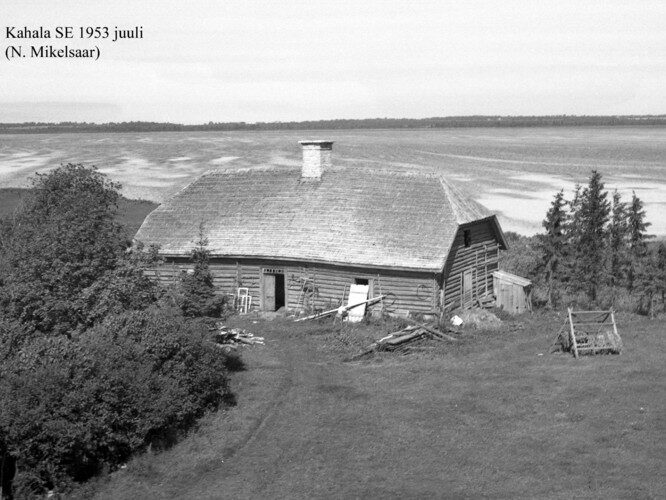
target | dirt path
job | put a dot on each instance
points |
(269, 462)
(293, 423)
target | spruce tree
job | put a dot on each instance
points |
(617, 242)
(592, 215)
(199, 298)
(637, 228)
(553, 244)
(572, 239)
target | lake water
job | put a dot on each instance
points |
(514, 172)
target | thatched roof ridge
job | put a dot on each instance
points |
(363, 216)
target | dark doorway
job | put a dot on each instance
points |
(361, 281)
(279, 291)
(274, 293)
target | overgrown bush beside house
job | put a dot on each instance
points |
(62, 239)
(95, 361)
(72, 409)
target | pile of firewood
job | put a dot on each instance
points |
(235, 336)
(401, 339)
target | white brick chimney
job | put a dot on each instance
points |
(316, 158)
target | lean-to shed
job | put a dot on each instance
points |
(512, 293)
(299, 237)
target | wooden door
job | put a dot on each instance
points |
(357, 294)
(506, 297)
(269, 292)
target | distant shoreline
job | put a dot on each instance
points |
(343, 124)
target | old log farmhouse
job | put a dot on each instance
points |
(300, 237)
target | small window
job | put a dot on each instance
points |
(361, 281)
(467, 237)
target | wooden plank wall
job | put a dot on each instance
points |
(228, 276)
(481, 257)
(510, 296)
(415, 292)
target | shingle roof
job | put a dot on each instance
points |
(365, 217)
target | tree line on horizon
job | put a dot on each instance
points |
(341, 124)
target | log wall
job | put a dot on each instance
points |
(317, 286)
(481, 257)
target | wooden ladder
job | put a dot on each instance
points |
(305, 293)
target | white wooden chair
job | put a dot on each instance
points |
(243, 300)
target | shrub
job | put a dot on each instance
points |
(524, 257)
(124, 288)
(74, 407)
(619, 298)
(62, 239)
(198, 296)
(12, 337)
(92, 368)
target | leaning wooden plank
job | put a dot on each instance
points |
(404, 338)
(573, 333)
(390, 342)
(431, 330)
(618, 340)
(318, 315)
(396, 334)
(344, 308)
(244, 340)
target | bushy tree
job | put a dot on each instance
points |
(71, 408)
(93, 364)
(127, 287)
(524, 258)
(59, 243)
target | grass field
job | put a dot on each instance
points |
(494, 416)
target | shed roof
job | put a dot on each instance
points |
(365, 217)
(512, 278)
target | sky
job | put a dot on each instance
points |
(202, 61)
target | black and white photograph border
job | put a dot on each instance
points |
(305, 249)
